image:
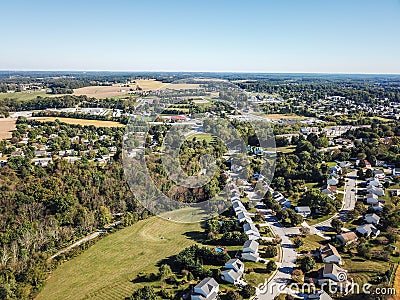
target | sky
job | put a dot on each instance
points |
(284, 36)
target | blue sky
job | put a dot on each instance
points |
(331, 36)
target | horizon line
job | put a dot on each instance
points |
(193, 71)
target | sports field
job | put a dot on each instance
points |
(83, 122)
(106, 269)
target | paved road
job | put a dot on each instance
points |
(277, 284)
(349, 202)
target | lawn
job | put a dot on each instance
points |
(203, 136)
(106, 269)
(83, 122)
(311, 242)
(7, 125)
(287, 149)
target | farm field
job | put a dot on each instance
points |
(277, 117)
(7, 125)
(102, 91)
(83, 122)
(106, 269)
(149, 84)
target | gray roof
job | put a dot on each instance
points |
(253, 245)
(207, 285)
(303, 209)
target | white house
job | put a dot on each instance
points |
(304, 211)
(329, 254)
(334, 272)
(250, 251)
(232, 271)
(372, 199)
(207, 289)
(375, 182)
(243, 217)
(368, 230)
(377, 206)
(376, 190)
(372, 219)
(251, 230)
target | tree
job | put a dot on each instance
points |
(146, 292)
(271, 266)
(298, 242)
(248, 291)
(307, 264)
(298, 276)
(337, 224)
(233, 295)
(271, 251)
(165, 272)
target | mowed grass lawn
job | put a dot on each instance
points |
(83, 122)
(106, 269)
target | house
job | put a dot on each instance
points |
(336, 169)
(372, 219)
(375, 182)
(372, 199)
(376, 190)
(333, 272)
(207, 289)
(347, 238)
(344, 164)
(243, 217)
(329, 193)
(332, 181)
(42, 162)
(379, 174)
(251, 230)
(368, 230)
(250, 251)
(396, 171)
(377, 206)
(367, 164)
(238, 206)
(329, 254)
(232, 271)
(334, 275)
(304, 211)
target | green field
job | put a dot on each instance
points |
(23, 95)
(106, 269)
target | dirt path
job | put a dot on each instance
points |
(86, 239)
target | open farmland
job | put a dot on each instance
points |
(7, 125)
(83, 122)
(103, 91)
(106, 269)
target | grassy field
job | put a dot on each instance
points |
(397, 283)
(105, 270)
(361, 270)
(286, 149)
(202, 136)
(24, 95)
(97, 123)
(7, 125)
